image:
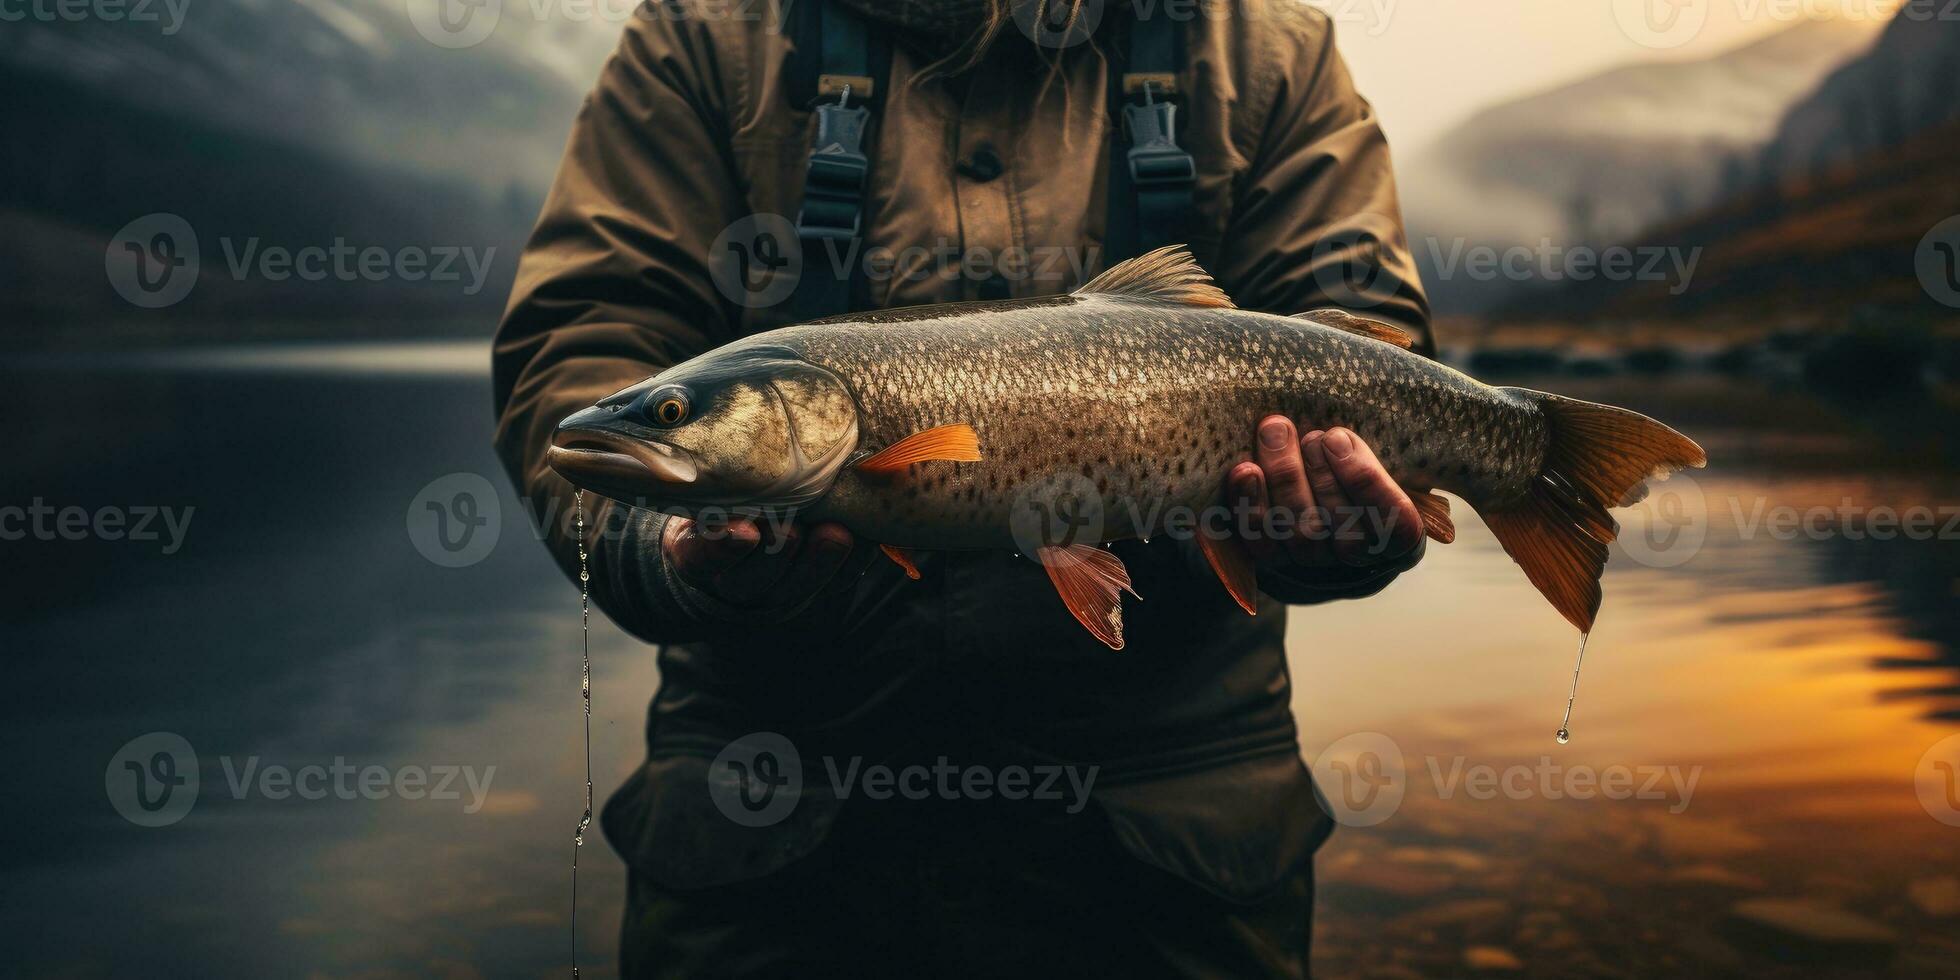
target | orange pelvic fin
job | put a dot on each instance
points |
(903, 558)
(957, 442)
(1233, 564)
(1435, 511)
(1091, 582)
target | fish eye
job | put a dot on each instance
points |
(667, 407)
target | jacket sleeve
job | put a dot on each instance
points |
(1316, 223)
(1315, 220)
(614, 286)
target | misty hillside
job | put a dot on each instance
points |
(1833, 235)
(351, 78)
(1597, 160)
(1908, 84)
(294, 125)
(1815, 253)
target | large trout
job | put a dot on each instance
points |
(944, 427)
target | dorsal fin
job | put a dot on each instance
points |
(1345, 321)
(1167, 274)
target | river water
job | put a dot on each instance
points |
(1768, 708)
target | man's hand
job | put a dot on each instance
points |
(745, 563)
(1342, 507)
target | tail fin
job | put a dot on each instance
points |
(1598, 457)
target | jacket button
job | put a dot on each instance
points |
(983, 164)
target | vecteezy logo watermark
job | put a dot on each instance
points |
(1066, 23)
(42, 521)
(1361, 779)
(1661, 23)
(153, 779)
(169, 13)
(455, 23)
(1937, 781)
(1056, 511)
(1348, 263)
(1937, 262)
(756, 261)
(152, 262)
(758, 779)
(1668, 526)
(455, 520)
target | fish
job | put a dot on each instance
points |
(963, 426)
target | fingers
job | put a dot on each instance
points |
(825, 548)
(1389, 526)
(752, 580)
(1287, 490)
(1246, 488)
(700, 555)
(763, 564)
(1335, 517)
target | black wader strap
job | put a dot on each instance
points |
(850, 72)
(1151, 177)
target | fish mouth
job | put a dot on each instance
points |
(617, 464)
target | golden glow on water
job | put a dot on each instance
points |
(1774, 673)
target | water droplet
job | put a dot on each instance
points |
(1564, 725)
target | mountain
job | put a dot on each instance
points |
(1859, 173)
(1909, 83)
(292, 124)
(352, 78)
(1817, 253)
(1601, 158)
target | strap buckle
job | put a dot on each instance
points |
(833, 183)
(1155, 158)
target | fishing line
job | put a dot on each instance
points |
(585, 695)
(1565, 724)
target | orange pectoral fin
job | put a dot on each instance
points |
(1091, 582)
(903, 558)
(1233, 564)
(957, 442)
(1435, 511)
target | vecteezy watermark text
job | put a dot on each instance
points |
(154, 780)
(342, 262)
(1672, 23)
(155, 261)
(758, 779)
(43, 521)
(168, 13)
(1364, 777)
(343, 780)
(1551, 262)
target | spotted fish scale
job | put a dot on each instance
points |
(1150, 402)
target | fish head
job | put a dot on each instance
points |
(746, 430)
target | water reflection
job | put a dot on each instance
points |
(1801, 675)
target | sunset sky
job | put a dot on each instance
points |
(1428, 64)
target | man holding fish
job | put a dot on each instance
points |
(866, 602)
